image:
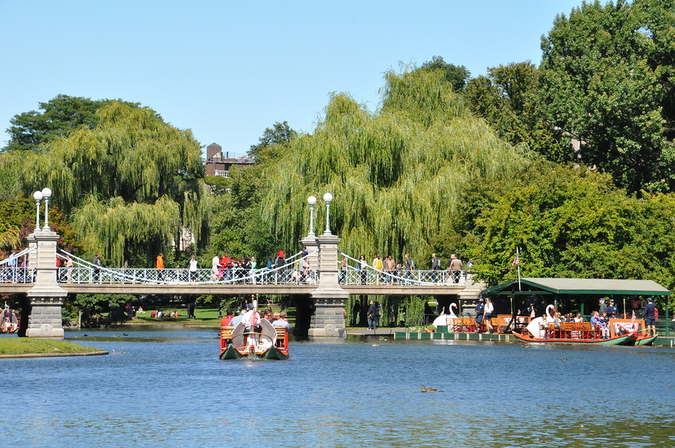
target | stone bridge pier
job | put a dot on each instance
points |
(46, 297)
(328, 299)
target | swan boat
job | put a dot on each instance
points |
(635, 327)
(9, 323)
(447, 320)
(545, 330)
(270, 343)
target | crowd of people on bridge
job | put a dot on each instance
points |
(246, 269)
(393, 272)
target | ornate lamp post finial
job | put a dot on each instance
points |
(38, 197)
(328, 198)
(46, 194)
(311, 201)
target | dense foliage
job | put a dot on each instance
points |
(507, 99)
(456, 75)
(61, 116)
(396, 175)
(131, 184)
(606, 80)
(568, 222)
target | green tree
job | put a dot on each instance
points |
(276, 137)
(60, 117)
(456, 75)
(396, 175)
(605, 80)
(506, 99)
(235, 223)
(130, 179)
(568, 222)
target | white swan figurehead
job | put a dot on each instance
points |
(537, 327)
(550, 313)
(452, 314)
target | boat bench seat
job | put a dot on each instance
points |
(281, 336)
(468, 325)
(578, 330)
(226, 332)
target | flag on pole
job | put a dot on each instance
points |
(516, 262)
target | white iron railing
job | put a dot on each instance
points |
(356, 275)
(85, 272)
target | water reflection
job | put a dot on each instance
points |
(169, 389)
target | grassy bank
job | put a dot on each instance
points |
(204, 317)
(29, 346)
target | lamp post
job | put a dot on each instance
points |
(38, 197)
(311, 201)
(46, 194)
(327, 197)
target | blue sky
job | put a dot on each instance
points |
(229, 69)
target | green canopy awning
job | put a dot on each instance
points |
(585, 286)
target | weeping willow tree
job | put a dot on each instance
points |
(132, 184)
(396, 175)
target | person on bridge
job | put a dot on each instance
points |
(377, 264)
(10, 274)
(69, 269)
(363, 270)
(215, 267)
(160, 267)
(193, 265)
(97, 267)
(224, 267)
(254, 265)
(246, 269)
(409, 267)
(455, 268)
(389, 269)
(343, 270)
(435, 267)
(307, 276)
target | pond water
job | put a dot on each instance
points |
(168, 388)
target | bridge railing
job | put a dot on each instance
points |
(416, 277)
(185, 276)
(83, 271)
(16, 274)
